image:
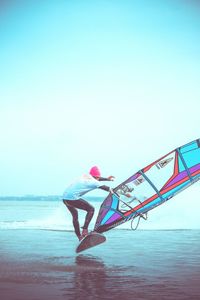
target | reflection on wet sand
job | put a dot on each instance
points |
(89, 278)
(92, 279)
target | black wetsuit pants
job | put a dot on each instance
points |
(72, 205)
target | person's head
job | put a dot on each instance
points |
(95, 172)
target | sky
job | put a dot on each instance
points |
(83, 83)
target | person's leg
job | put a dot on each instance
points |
(90, 211)
(84, 205)
(74, 214)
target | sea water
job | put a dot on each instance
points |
(49, 212)
(39, 212)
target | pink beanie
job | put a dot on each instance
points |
(94, 171)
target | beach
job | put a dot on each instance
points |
(38, 258)
(42, 264)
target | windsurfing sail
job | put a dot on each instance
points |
(151, 186)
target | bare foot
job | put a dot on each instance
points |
(84, 232)
(80, 237)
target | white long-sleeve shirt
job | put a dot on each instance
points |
(81, 186)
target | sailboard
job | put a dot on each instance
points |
(90, 240)
(157, 183)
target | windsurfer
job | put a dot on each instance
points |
(72, 197)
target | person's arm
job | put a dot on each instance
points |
(106, 188)
(109, 178)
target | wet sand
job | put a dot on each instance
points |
(41, 264)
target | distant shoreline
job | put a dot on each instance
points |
(29, 197)
(43, 198)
